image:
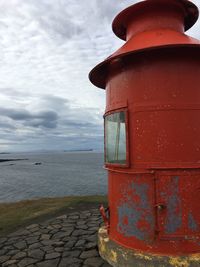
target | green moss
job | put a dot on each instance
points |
(19, 214)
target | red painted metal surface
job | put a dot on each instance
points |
(154, 201)
(179, 15)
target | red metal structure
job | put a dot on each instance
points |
(152, 136)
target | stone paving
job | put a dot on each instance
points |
(68, 240)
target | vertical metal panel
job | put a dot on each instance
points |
(179, 193)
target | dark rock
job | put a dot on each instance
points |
(89, 254)
(70, 244)
(47, 248)
(32, 226)
(72, 254)
(92, 238)
(78, 232)
(4, 258)
(96, 261)
(80, 243)
(20, 233)
(9, 263)
(45, 237)
(20, 245)
(3, 252)
(69, 262)
(52, 255)
(37, 233)
(35, 245)
(58, 244)
(62, 234)
(13, 252)
(36, 254)
(31, 240)
(106, 265)
(76, 217)
(20, 255)
(59, 249)
(91, 245)
(48, 263)
(82, 227)
(3, 240)
(27, 261)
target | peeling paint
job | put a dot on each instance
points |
(192, 225)
(119, 256)
(174, 213)
(143, 256)
(102, 246)
(113, 256)
(102, 239)
(135, 217)
(178, 262)
(195, 258)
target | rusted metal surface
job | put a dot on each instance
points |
(119, 256)
(135, 217)
(154, 78)
(104, 213)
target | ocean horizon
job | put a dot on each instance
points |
(51, 174)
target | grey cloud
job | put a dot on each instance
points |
(63, 27)
(66, 19)
(57, 21)
(79, 124)
(46, 119)
(108, 9)
(51, 124)
(55, 102)
(76, 125)
(7, 126)
(16, 114)
(12, 92)
(47, 115)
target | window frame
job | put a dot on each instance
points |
(120, 165)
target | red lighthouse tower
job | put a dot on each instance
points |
(152, 137)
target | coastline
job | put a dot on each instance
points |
(5, 160)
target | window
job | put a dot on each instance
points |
(115, 138)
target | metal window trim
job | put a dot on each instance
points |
(118, 165)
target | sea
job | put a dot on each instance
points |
(51, 174)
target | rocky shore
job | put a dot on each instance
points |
(67, 240)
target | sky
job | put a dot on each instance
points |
(47, 49)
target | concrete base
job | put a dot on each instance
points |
(119, 256)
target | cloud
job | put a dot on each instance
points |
(44, 118)
(8, 127)
(59, 125)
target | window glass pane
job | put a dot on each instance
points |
(115, 139)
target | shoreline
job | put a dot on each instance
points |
(5, 160)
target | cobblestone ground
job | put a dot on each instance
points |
(68, 240)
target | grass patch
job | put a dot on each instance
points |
(19, 214)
